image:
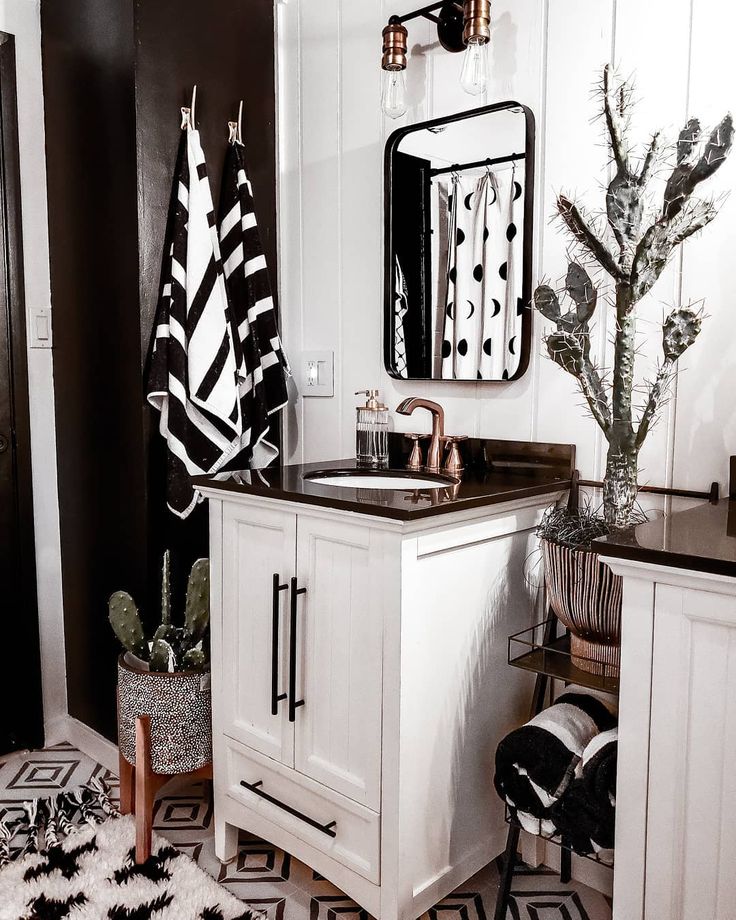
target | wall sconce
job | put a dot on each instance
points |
(461, 26)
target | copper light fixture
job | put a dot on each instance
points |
(461, 26)
(393, 65)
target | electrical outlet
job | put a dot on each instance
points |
(318, 373)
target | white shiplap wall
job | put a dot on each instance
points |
(546, 53)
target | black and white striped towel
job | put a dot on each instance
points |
(192, 372)
(537, 762)
(585, 815)
(262, 364)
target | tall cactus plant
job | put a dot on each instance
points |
(633, 245)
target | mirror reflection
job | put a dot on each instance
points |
(458, 248)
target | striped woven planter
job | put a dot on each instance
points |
(586, 597)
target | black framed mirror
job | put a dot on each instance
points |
(459, 198)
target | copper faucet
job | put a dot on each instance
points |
(438, 427)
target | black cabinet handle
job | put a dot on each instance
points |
(293, 702)
(328, 829)
(276, 697)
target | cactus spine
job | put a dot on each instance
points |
(634, 255)
(173, 648)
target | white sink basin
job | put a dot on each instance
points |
(380, 480)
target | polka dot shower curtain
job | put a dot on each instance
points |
(482, 317)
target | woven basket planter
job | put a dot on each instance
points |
(180, 707)
(586, 597)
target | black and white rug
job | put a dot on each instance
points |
(91, 875)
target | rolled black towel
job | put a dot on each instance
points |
(598, 770)
(586, 814)
(536, 763)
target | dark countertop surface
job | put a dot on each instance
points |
(478, 487)
(702, 539)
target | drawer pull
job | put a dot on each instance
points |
(328, 829)
(293, 702)
(276, 697)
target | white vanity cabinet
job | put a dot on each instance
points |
(676, 784)
(338, 671)
(360, 687)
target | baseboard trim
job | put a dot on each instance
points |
(88, 741)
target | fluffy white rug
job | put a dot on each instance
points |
(91, 875)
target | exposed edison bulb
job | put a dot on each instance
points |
(393, 92)
(474, 77)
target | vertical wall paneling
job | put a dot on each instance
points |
(547, 55)
(360, 205)
(650, 63)
(320, 57)
(290, 236)
(705, 431)
(578, 43)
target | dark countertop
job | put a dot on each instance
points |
(478, 487)
(702, 539)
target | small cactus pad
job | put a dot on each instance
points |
(679, 331)
(124, 619)
(194, 660)
(166, 588)
(162, 656)
(566, 350)
(197, 613)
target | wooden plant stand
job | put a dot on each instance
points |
(139, 785)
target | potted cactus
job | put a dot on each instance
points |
(631, 243)
(166, 677)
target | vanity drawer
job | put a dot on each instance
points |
(347, 832)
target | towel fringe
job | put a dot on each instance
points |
(49, 821)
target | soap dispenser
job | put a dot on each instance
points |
(371, 432)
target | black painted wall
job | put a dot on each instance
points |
(116, 73)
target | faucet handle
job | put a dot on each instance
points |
(453, 465)
(416, 461)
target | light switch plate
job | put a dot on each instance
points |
(40, 333)
(318, 373)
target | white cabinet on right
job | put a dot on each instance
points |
(691, 813)
(676, 787)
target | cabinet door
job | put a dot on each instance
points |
(691, 831)
(339, 657)
(258, 543)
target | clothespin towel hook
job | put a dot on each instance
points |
(188, 113)
(236, 127)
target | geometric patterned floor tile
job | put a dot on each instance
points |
(547, 905)
(271, 881)
(257, 863)
(274, 908)
(42, 773)
(332, 906)
(183, 813)
(465, 905)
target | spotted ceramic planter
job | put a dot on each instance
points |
(586, 597)
(180, 707)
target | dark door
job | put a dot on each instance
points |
(20, 701)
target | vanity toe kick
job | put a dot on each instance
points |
(344, 830)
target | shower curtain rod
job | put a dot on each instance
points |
(458, 167)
